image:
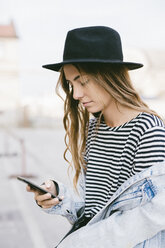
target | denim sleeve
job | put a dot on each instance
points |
(71, 203)
(123, 228)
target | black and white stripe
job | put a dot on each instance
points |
(115, 154)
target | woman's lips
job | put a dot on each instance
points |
(86, 103)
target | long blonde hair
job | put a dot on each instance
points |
(115, 80)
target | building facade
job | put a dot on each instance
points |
(9, 75)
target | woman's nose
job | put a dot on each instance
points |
(77, 93)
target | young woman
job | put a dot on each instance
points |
(117, 145)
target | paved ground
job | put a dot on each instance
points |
(22, 223)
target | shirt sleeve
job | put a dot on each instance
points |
(150, 150)
(73, 201)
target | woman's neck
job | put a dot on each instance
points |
(118, 115)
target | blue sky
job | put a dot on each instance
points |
(42, 25)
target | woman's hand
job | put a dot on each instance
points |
(45, 200)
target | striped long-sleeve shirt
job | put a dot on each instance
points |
(113, 154)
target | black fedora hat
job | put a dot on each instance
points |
(95, 44)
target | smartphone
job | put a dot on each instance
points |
(37, 188)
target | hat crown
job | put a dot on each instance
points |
(93, 43)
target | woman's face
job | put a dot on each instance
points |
(90, 94)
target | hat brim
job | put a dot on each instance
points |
(57, 66)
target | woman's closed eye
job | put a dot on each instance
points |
(84, 81)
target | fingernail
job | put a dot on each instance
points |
(60, 198)
(48, 184)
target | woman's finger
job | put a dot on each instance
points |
(44, 197)
(29, 189)
(48, 203)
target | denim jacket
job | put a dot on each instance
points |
(134, 217)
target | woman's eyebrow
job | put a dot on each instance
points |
(77, 77)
